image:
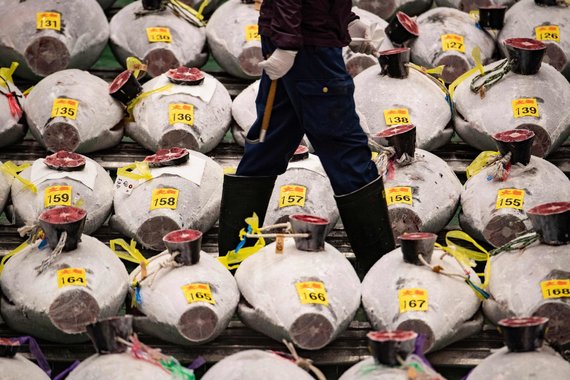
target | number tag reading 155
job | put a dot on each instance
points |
(198, 293)
(413, 299)
(181, 113)
(63, 107)
(525, 107)
(57, 196)
(164, 198)
(510, 198)
(312, 292)
(71, 277)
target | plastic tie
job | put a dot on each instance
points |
(483, 160)
(136, 66)
(234, 258)
(172, 365)
(129, 252)
(6, 74)
(12, 253)
(36, 352)
(136, 171)
(13, 170)
(138, 99)
(476, 54)
(67, 371)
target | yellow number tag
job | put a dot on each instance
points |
(312, 292)
(71, 277)
(452, 42)
(399, 195)
(48, 20)
(413, 299)
(159, 34)
(510, 198)
(555, 288)
(292, 195)
(64, 108)
(397, 116)
(525, 107)
(164, 198)
(252, 33)
(198, 293)
(548, 33)
(57, 196)
(181, 113)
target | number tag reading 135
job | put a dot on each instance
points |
(181, 113)
(312, 292)
(510, 198)
(198, 293)
(413, 299)
(292, 195)
(525, 107)
(57, 196)
(64, 108)
(71, 277)
(164, 198)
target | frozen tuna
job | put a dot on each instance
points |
(422, 192)
(394, 94)
(472, 5)
(495, 200)
(303, 189)
(203, 295)
(46, 36)
(523, 94)
(525, 357)
(388, 8)
(15, 366)
(194, 112)
(447, 37)
(401, 291)
(12, 129)
(119, 351)
(76, 280)
(256, 365)
(535, 280)
(161, 36)
(544, 20)
(181, 190)
(304, 291)
(234, 40)
(64, 179)
(72, 110)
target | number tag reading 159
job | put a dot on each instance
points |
(292, 195)
(181, 113)
(413, 299)
(312, 292)
(555, 288)
(510, 198)
(525, 107)
(57, 196)
(63, 107)
(198, 293)
(71, 277)
(164, 198)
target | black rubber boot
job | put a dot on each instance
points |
(241, 197)
(365, 218)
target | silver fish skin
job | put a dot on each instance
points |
(236, 52)
(5, 185)
(478, 118)
(542, 182)
(255, 365)
(34, 304)
(83, 35)
(19, 367)
(153, 130)
(472, 5)
(98, 121)
(388, 8)
(452, 304)
(271, 304)
(11, 130)
(129, 38)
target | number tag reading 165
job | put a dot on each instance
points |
(198, 293)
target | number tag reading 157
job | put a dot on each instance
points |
(413, 299)
(181, 113)
(312, 292)
(198, 293)
(510, 198)
(164, 198)
(452, 42)
(292, 195)
(397, 116)
(71, 277)
(399, 195)
(48, 20)
(63, 107)
(525, 107)
(57, 196)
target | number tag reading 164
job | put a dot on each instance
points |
(525, 107)
(57, 196)
(510, 198)
(181, 113)
(312, 292)
(71, 277)
(164, 198)
(198, 293)
(413, 299)
(555, 288)
(63, 107)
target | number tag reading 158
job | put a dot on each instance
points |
(164, 198)
(510, 198)
(413, 299)
(57, 196)
(71, 277)
(312, 292)
(198, 293)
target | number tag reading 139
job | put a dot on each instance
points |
(292, 195)
(57, 196)
(312, 292)
(164, 198)
(555, 288)
(48, 20)
(181, 113)
(510, 198)
(413, 299)
(399, 195)
(64, 108)
(452, 42)
(198, 293)
(71, 277)
(525, 107)
(397, 116)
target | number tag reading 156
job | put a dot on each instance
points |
(399, 195)
(397, 116)
(452, 42)
(312, 292)
(510, 198)
(413, 299)
(71, 277)
(48, 20)
(181, 113)
(525, 107)
(64, 108)
(164, 198)
(198, 293)
(292, 195)
(57, 196)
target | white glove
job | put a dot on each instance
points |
(279, 63)
(360, 32)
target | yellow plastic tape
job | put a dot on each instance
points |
(232, 260)
(6, 74)
(129, 252)
(27, 91)
(136, 100)
(192, 11)
(14, 252)
(201, 9)
(435, 71)
(479, 163)
(476, 54)
(143, 171)
(12, 169)
(136, 66)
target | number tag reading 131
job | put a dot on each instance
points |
(57, 196)
(164, 198)
(71, 277)
(413, 299)
(312, 292)
(198, 293)
(292, 195)
(48, 20)
(181, 113)
(64, 108)
(525, 107)
(510, 198)
(555, 288)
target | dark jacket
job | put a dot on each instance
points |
(290, 24)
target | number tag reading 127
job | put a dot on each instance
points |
(397, 116)
(159, 34)
(452, 42)
(252, 32)
(548, 33)
(555, 288)
(64, 108)
(181, 113)
(57, 196)
(164, 198)
(399, 195)
(510, 198)
(413, 299)
(525, 107)
(292, 195)
(48, 20)
(198, 293)
(71, 277)
(312, 292)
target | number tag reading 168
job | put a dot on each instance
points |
(413, 299)
(71, 277)
(57, 196)
(198, 293)
(555, 288)
(164, 198)
(312, 292)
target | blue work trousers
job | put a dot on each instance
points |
(314, 98)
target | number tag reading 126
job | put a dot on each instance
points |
(452, 42)
(159, 34)
(48, 20)
(181, 113)
(548, 33)
(71, 277)
(510, 198)
(525, 107)
(413, 299)
(64, 108)
(57, 196)
(397, 116)
(399, 195)
(198, 293)
(312, 292)
(164, 198)
(252, 32)
(292, 195)
(555, 288)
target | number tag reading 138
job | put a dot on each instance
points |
(64, 108)
(164, 198)
(397, 116)
(57, 196)
(181, 113)
(292, 195)
(198, 293)
(71, 277)
(525, 107)
(510, 198)
(413, 299)
(312, 292)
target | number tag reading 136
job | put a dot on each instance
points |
(181, 113)
(64, 108)
(413, 299)
(312, 292)
(198, 293)
(71, 277)
(510, 198)
(57, 196)
(164, 198)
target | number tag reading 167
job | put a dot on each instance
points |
(71, 277)
(198, 293)
(164, 198)
(312, 292)
(57, 196)
(413, 299)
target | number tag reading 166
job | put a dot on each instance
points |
(164, 198)
(312, 292)
(413, 299)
